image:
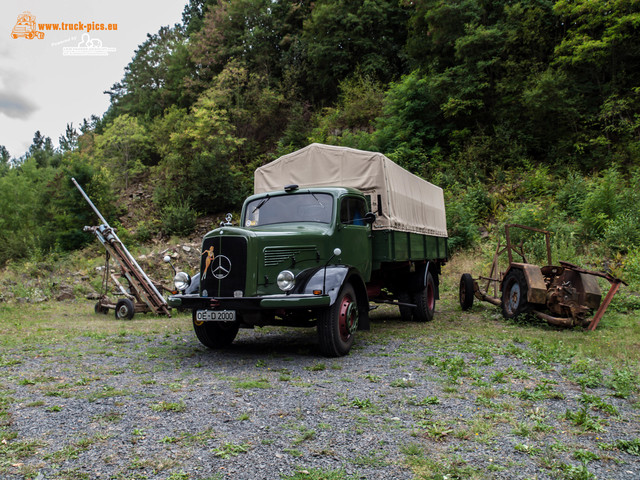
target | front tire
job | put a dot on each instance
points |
(124, 309)
(215, 335)
(338, 323)
(514, 294)
(425, 301)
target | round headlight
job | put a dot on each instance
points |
(286, 280)
(182, 280)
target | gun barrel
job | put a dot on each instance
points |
(97, 212)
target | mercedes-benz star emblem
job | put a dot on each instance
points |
(221, 267)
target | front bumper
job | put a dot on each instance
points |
(248, 304)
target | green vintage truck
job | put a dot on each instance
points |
(328, 230)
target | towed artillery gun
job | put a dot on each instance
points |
(142, 295)
(563, 295)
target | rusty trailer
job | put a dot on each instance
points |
(563, 295)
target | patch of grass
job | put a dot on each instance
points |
(403, 383)
(228, 450)
(572, 472)
(632, 447)
(585, 456)
(251, 384)
(623, 382)
(318, 367)
(423, 402)
(317, 474)
(583, 419)
(528, 449)
(163, 406)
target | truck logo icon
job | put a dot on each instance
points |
(26, 27)
(221, 267)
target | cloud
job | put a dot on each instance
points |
(14, 105)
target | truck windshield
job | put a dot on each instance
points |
(298, 207)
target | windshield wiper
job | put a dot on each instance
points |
(264, 200)
(316, 199)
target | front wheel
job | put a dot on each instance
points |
(514, 294)
(337, 324)
(215, 334)
(425, 301)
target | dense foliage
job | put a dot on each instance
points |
(522, 111)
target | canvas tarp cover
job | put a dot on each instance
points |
(408, 203)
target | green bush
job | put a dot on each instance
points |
(178, 218)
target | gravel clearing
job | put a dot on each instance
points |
(410, 401)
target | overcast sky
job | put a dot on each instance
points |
(59, 79)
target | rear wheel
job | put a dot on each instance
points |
(406, 313)
(215, 334)
(466, 291)
(425, 301)
(337, 324)
(514, 294)
(124, 309)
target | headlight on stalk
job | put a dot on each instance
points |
(286, 280)
(182, 280)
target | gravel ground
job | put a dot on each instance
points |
(402, 405)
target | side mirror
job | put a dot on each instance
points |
(369, 218)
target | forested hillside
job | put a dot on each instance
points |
(523, 111)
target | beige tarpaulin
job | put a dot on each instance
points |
(407, 202)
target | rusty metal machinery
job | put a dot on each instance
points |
(562, 295)
(142, 295)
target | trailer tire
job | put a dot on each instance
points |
(425, 300)
(514, 294)
(99, 308)
(338, 323)
(124, 309)
(406, 313)
(215, 335)
(466, 291)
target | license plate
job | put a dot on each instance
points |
(216, 315)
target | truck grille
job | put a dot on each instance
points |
(276, 255)
(223, 266)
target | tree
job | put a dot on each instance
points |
(5, 160)
(124, 144)
(154, 79)
(69, 141)
(342, 35)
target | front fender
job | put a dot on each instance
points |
(331, 282)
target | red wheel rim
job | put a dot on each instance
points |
(431, 297)
(348, 318)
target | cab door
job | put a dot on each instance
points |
(354, 235)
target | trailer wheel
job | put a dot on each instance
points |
(337, 324)
(514, 294)
(406, 313)
(215, 335)
(466, 291)
(124, 309)
(99, 308)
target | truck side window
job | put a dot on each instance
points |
(352, 211)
